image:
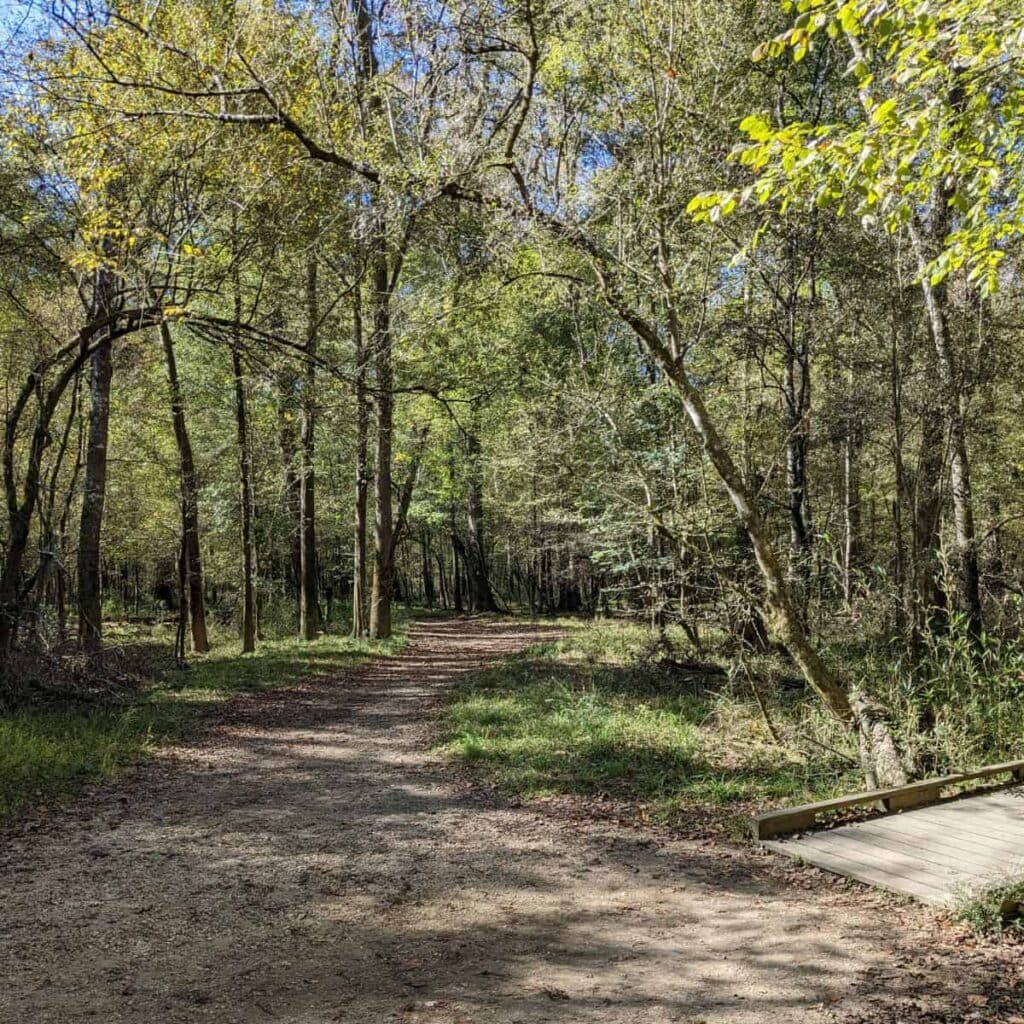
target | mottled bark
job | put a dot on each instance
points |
(90, 600)
(359, 619)
(246, 505)
(189, 502)
(788, 623)
(309, 606)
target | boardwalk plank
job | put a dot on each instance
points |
(979, 821)
(897, 862)
(841, 845)
(931, 850)
(862, 872)
(930, 853)
(953, 836)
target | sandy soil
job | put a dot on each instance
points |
(311, 861)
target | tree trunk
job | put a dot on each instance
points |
(189, 502)
(428, 572)
(181, 626)
(246, 502)
(936, 307)
(90, 607)
(384, 279)
(383, 585)
(930, 610)
(309, 607)
(851, 505)
(481, 598)
(899, 505)
(21, 508)
(457, 573)
(359, 623)
(796, 389)
(288, 443)
(879, 759)
(53, 524)
(442, 580)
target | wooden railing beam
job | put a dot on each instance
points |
(898, 798)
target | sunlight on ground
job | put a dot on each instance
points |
(51, 751)
(589, 716)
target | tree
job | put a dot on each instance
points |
(309, 606)
(192, 558)
(90, 614)
(929, 156)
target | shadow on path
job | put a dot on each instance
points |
(312, 861)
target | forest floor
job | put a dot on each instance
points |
(314, 859)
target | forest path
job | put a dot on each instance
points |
(312, 860)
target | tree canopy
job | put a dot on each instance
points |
(705, 314)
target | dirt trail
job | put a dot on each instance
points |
(312, 861)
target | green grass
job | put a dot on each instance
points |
(51, 752)
(591, 715)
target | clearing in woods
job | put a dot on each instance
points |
(312, 860)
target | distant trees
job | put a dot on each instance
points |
(493, 266)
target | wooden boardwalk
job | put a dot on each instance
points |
(932, 853)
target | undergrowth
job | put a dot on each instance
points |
(596, 715)
(610, 711)
(954, 705)
(996, 909)
(52, 749)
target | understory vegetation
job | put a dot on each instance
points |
(699, 314)
(60, 741)
(593, 715)
(620, 710)
(996, 908)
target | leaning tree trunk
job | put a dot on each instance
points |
(879, 758)
(309, 607)
(51, 576)
(880, 761)
(90, 607)
(189, 502)
(21, 507)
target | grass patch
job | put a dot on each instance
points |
(592, 715)
(51, 751)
